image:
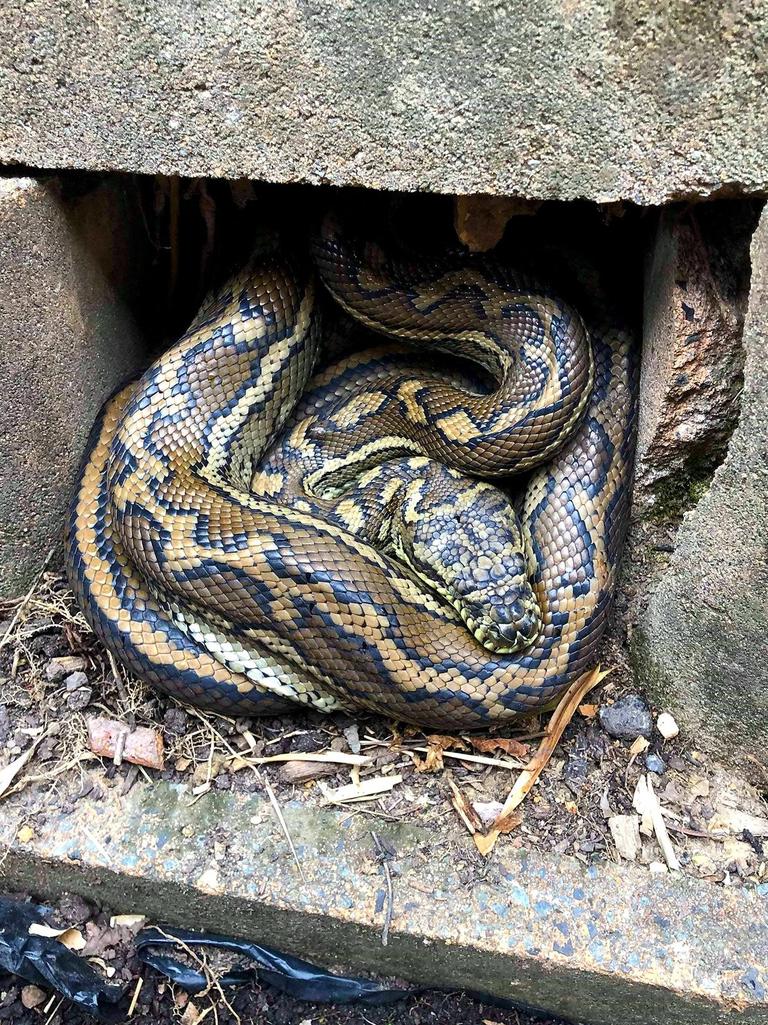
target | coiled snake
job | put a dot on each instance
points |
(352, 556)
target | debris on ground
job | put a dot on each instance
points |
(152, 976)
(468, 789)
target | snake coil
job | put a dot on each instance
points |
(244, 535)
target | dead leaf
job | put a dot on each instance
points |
(436, 744)
(560, 718)
(464, 809)
(588, 711)
(507, 744)
(508, 821)
(25, 834)
(141, 746)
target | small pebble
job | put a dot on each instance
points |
(352, 737)
(575, 774)
(75, 680)
(627, 718)
(488, 811)
(79, 699)
(33, 996)
(654, 763)
(667, 726)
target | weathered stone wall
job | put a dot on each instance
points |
(67, 339)
(701, 646)
(603, 99)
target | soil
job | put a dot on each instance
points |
(158, 1002)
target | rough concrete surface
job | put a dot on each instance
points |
(696, 290)
(702, 644)
(67, 339)
(605, 99)
(544, 931)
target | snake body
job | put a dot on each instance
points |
(241, 546)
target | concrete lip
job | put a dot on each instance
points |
(590, 943)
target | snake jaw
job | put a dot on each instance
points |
(504, 638)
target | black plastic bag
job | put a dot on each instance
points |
(291, 975)
(44, 961)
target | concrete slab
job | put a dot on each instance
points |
(600, 99)
(701, 646)
(67, 339)
(588, 943)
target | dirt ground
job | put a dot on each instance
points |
(56, 678)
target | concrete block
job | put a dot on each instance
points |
(701, 646)
(602, 100)
(544, 931)
(67, 339)
(696, 289)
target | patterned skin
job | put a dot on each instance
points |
(237, 571)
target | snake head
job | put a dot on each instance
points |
(496, 602)
(469, 548)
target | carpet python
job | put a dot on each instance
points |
(245, 535)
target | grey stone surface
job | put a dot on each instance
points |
(541, 930)
(605, 99)
(702, 643)
(696, 288)
(67, 339)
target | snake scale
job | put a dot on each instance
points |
(245, 535)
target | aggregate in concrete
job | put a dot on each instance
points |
(603, 99)
(585, 942)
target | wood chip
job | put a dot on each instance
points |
(129, 921)
(647, 803)
(497, 763)
(464, 809)
(142, 746)
(303, 772)
(332, 757)
(639, 745)
(365, 790)
(73, 939)
(625, 830)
